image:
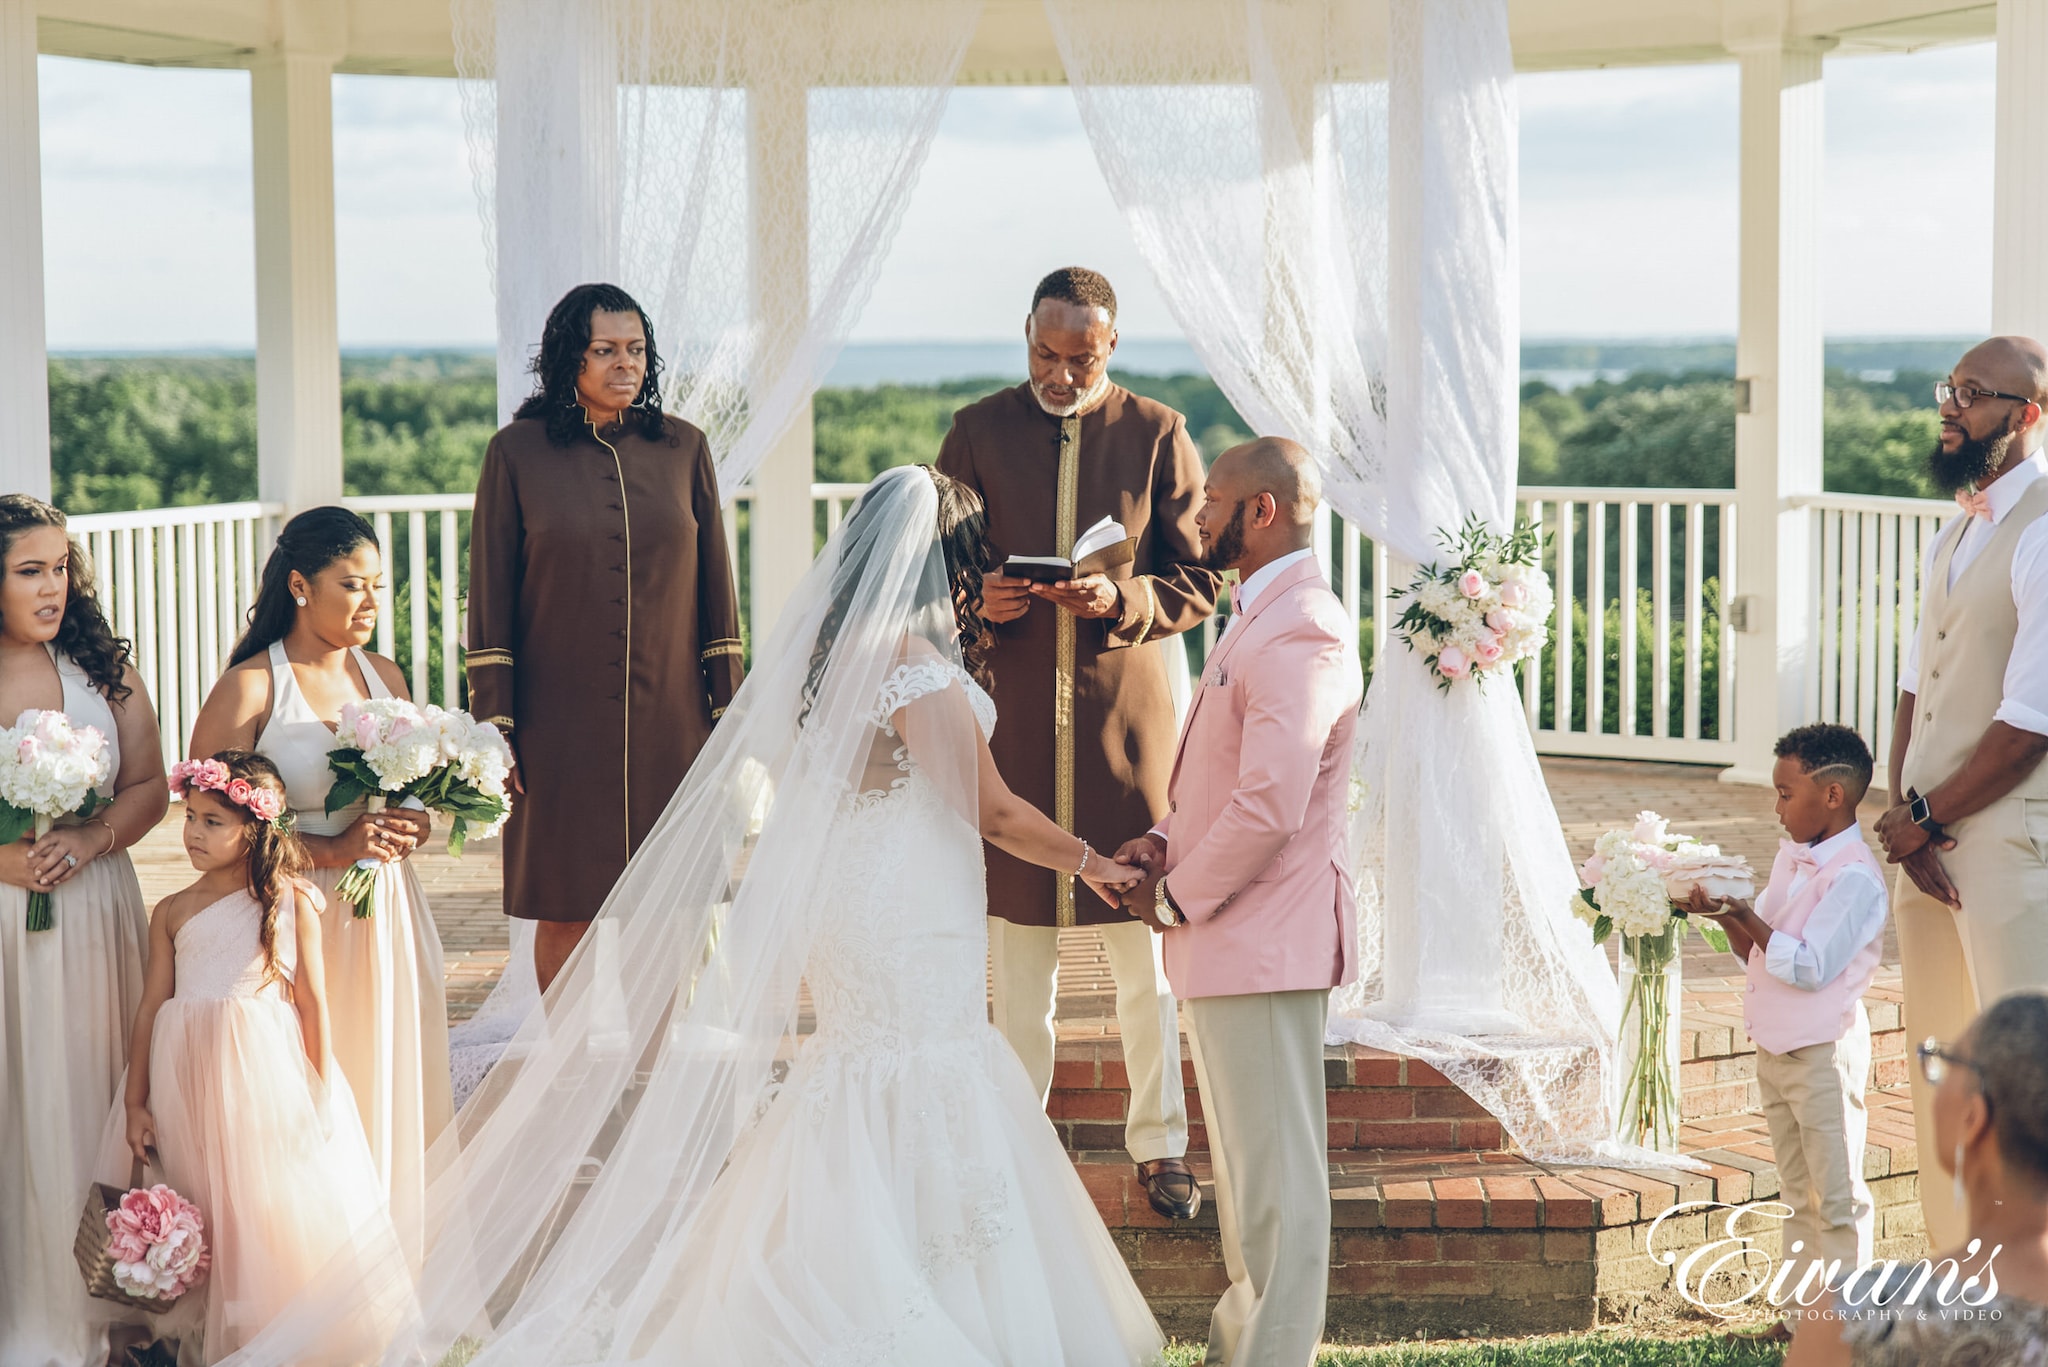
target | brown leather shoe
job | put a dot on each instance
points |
(1171, 1188)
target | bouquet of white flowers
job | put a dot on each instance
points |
(1484, 612)
(1631, 884)
(425, 757)
(48, 768)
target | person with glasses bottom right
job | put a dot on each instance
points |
(1990, 1093)
(1968, 822)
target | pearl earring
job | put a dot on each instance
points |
(301, 600)
(1961, 1196)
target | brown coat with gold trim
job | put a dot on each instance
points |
(604, 634)
(1134, 461)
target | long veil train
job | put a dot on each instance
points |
(569, 1191)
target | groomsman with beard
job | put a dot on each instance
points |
(1087, 715)
(1251, 870)
(1969, 824)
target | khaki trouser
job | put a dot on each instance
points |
(1955, 963)
(1259, 1065)
(1813, 1103)
(1024, 969)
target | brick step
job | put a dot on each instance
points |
(1379, 1100)
(1447, 1242)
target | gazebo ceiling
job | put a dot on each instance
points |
(1014, 45)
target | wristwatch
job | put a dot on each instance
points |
(1922, 816)
(1163, 908)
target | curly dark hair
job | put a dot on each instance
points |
(963, 540)
(85, 635)
(1829, 754)
(277, 858)
(309, 543)
(560, 360)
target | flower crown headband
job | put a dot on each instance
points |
(211, 776)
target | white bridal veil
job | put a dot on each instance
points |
(570, 1184)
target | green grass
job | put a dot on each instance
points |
(1569, 1350)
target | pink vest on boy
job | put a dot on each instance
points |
(1781, 1017)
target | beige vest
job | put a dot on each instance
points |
(1966, 636)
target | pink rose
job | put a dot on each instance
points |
(1471, 583)
(239, 790)
(266, 804)
(27, 750)
(366, 731)
(1452, 664)
(1501, 621)
(212, 774)
(401, 727)
(1590, 871)
(1513, 593)
(1486, 650)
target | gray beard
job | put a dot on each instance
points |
(1083, 401)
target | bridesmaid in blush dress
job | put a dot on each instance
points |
(300, 662)
(66, 993)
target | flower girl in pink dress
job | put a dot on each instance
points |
(232, 1094)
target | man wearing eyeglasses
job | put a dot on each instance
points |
(1969, 827)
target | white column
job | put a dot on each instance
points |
(780, 522)
(298, 349)
(24, 363)
(2019, 196)
(1778, 363)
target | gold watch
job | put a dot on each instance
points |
(1163, 909)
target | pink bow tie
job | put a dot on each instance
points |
(1800, 856)
(1974, 503)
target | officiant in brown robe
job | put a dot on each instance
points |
(1088, 724)
(604, 635)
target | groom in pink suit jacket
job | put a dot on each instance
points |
(1250, 883)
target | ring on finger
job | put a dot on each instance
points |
(71, 859)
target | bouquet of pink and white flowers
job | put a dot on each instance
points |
(48, 768)
(425, 757)
(1483, 612)
(158, 1242)
(1633, 883)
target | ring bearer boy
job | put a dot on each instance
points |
(1811, 945)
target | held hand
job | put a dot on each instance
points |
(369, 838)
(82, 843)
(1923, 866)
(16, 870)
(1697, 903)
(1141, 899)
(1902, 837)
(1092, 596)
(1004, 599)
(141, 1132)
(1148, 852)
(404, 821)
(1112, 876)
(515, 781)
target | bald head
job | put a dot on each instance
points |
(2014, 365)
(1276, 466)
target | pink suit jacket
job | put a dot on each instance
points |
(1258, 853)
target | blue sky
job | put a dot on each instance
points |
(1628, 208)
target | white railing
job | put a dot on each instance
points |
(1867, 555)
(1654, 682)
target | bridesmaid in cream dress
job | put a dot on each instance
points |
(67, 994)
(300, 662)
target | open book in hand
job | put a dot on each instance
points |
(1102, 549)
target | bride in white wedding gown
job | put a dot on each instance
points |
(633, 1183)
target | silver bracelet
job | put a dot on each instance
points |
(1086, 854)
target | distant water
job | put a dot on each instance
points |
(861, 364)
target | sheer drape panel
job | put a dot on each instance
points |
(1324, 190)
(739, 166)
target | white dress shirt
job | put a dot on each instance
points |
(1849, 917)
(1262, 578)
(2025, 701)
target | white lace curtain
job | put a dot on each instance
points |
(738, 166)
(1325, 192)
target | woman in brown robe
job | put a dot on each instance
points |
(604, 634)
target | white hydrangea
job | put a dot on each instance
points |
(1438, 599)
(1632, 895)
(48, 766)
